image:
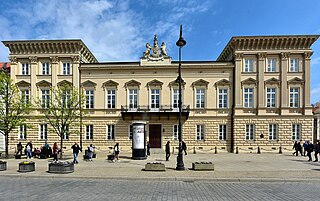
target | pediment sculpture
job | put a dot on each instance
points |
(155, 53)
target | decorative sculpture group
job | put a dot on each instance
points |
(157, 52)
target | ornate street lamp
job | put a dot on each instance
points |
(180, 43)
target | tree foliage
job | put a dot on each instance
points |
(13, 107)
(63, 110)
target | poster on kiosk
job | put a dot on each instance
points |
(138, 141)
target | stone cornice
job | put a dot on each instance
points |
(263, 43)
(53, 47)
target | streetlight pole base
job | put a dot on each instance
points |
(180, 165)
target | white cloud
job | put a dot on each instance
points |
(315, 94)
(315, 61)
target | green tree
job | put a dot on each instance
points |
(63, 110)
(13, 108)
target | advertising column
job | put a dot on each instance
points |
(138, 141)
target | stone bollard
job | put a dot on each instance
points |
(215, 150)
(194, 150)
(259, 152)
(237, 150)
(280, 150)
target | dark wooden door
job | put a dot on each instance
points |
(155, 135)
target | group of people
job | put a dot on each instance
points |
(308, 148)
(183, 147)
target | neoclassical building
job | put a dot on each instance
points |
(256, 94)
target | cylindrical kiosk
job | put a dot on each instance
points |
(138, 140)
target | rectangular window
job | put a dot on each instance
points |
(110, 132)
(66, 69)
(248, 65)
(248, 97)
(89, 99)
(249, 132)
(296, 129)
(43, 131)
(223, 98)
(200, 132)
(25, 69)
(175, 99)
(175, 132)
(155, 99)
(23, 132)
(133, 99)
(294, 65)
(25, 97)
(200, 98)
(45, 98)
(294, 97)
(45, 68)
(222, 132)
(273, 130)
(89, 132)
(66, 133)
(111, 99)
(271, 97)
(130, 132)
(271, 67)
(65, 96)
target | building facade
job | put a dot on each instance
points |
(256, 94)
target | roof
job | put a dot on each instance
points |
(275, 42)
(2, 64)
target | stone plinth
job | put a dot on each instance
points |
(27, 166)
(203, 166)
(61, 167)
(155, 167)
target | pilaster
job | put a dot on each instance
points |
(260, 69)
(284, 86)
(306, 73)
(54, 70)
(13, 69)
(237, 80)
(75, 71)
(33, 75)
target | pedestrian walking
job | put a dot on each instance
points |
(116, 151)
(168, 151)
(295, 147)
(316, 151)
(31, 146)
(148, 148)
(300, 148)
(55, 150)
(184, 147)
(310, 148)
(19, 148)
(75, 150)
(90, 152)
(28, 150)
(305, 148)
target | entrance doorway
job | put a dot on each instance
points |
(155, 135)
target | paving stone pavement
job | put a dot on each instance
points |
(24, 188)
(228, 167)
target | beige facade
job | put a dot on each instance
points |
(257, 93)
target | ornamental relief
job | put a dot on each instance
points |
(13, 59)
(54, 59)
(285, 55)
(33, 59)
(76, 59)
(307, 55)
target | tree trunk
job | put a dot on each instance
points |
(6, 139)
(61, 146)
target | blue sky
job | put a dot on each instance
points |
(118, 30)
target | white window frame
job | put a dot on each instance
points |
(296, 132)
(250, 131)
(133, 99)
(175, 99)
(25, 68)
(200, 132)
(45, 68)
(175, 136)
(248, 97)
(25, 96)
(89, 98)
(223, 98)
(222, 132)
(111, 132)
(45, 98)
(271, 65)
(294, 65)
(111, 98)
(43, 131)
(200, 97)
(248, 65)
(66, 68)
(155, 99)
(294, 97)
(273, 132)
(66, 134)
(271, 101)
(22, 132)
(89, 132)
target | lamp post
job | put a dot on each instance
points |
(180, 43)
